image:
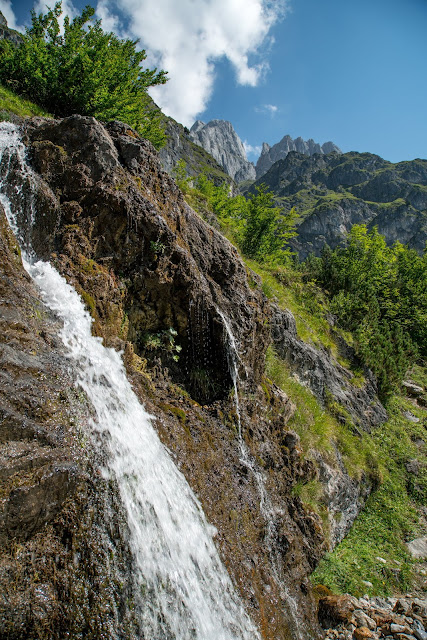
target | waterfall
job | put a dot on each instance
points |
(185, 592)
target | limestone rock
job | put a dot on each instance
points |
(418, 548)
(180, 146)
(270, 155)
(7, 33)
(412, 389)
(362, 633)
(219, 138)
(335, 609)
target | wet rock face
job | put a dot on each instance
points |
(58, 530)
(119, 209)
(156, 277)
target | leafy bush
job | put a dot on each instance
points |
(266, 230)
(261, 230)
(84, 71)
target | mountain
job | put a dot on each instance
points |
(219, 138)
(270, 155)
(335, 191)
(180, 146)
(6, 33)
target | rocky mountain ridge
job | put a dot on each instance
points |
(333, 192)
(7, 33)
(279, 151)
(180, 146)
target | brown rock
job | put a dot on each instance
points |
(334, 610)
(362, 633)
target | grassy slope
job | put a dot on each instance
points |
(10, 103)
(391, 515)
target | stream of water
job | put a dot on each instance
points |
(185, 592)
(268, 511)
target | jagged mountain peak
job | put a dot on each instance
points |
(219, 138)
(270, 155)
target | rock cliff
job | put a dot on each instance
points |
(219, 138)
(270, 155)
(180, 146)
(7, 33)
(154, 277)
(333, 192)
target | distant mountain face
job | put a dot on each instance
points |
(334, 192)
(270, 155)
(180, 146)
(219, 138)
(6, 33)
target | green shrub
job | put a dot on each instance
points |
(380, 294)
(84, 71)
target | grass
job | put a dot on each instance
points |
(321, 428)
(305, 300)
(390, 516)
(10, 103)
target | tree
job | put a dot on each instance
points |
(266, 230)
(379, 293)
(84, 70)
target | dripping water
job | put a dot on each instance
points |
(268, 511)
(184, 592)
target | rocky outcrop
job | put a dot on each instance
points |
(219, 138)
(180, 146)
(333, 192)
(352, 403)
(6, 33)
(156, 277)
(346, 618)
(270, 155)
(324, 376)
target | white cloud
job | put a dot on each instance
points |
(271, 109)
(187, 37)
(253, 151)
(7, 11)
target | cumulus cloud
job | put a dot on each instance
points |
(253, 151)
(270, 109)
(7, 11)
(186, 38)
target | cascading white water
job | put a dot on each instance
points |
(185, 592)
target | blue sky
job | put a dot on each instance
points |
(350, 72)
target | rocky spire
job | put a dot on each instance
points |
(219, 138)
